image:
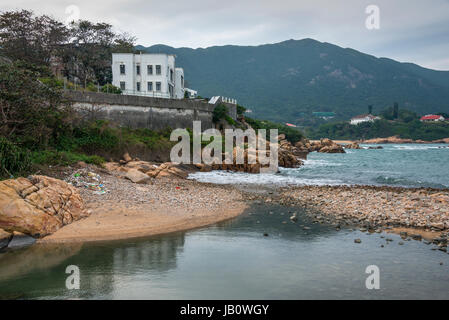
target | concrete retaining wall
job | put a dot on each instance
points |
(145, 112)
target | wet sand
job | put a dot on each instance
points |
(130, 210)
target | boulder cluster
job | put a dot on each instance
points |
(324, 145)
(38, 206)
(353, 145)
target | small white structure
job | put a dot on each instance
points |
(148, 74)
(363, 118)
(192, 93)
(216, 99)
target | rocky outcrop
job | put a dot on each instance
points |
(38, 205)
(397, 140)
(137, 176)
(353, 145)
(142, 171)
(324, 145)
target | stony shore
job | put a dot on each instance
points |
(127, 209)
(372, 208)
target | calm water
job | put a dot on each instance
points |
(232, 260)
(406, 165)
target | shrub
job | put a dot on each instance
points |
(52, 157)
(13, 159)
(109, 88)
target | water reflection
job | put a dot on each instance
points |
(231, 260)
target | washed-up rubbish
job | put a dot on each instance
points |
(88, 180)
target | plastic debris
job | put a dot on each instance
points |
(89, 180)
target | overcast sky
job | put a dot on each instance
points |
(410, 30)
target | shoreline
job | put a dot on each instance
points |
(375, 207)
(389, 140)
(130, 210)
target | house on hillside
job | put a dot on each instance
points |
(432, 118)
(148, 74)
(363, 118)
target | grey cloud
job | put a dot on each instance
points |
(412, 31)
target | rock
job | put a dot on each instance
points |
(39, 205)
(136, 176)
(81, 164)
(332, 149)
(416, 237)
(357, 241)
(127, 158)
(353, 145)
(294, 218)
(20, 240)
(5, 237)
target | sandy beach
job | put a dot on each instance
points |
(129, 210)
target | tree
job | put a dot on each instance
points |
(33, 39)
(84, 49)
(395, 110)
(31, 113)
(88, 55)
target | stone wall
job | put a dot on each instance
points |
(145, 112)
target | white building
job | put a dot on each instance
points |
(363, 118)
(148, 74)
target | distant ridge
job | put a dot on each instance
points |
(289, 80)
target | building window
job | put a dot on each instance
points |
(122, 85)
(122, 69)
(150, 69)
(150, 86)
(182, 81)
(138, 69)
(158, 69)
(158, 86)
(171, 75)
(138, 86)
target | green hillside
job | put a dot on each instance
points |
(287, 81)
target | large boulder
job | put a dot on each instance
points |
(5, 237)
(137, 176)
(38, 205)
(353, 145)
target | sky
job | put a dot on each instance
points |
(405, 30)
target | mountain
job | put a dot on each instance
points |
(287, 81)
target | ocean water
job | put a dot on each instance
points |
(406, 165)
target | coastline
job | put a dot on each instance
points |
(374, 207)
(166, 205)
(389, 140)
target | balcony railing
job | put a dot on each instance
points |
(153, 94)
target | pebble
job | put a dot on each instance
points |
(357, 241)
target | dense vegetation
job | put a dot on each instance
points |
(413, 129)
(291, 134)
(37, 123)
(287, 81)
(81, 51)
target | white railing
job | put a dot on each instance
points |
(153, 94)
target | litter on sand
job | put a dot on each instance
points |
(89, 180)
